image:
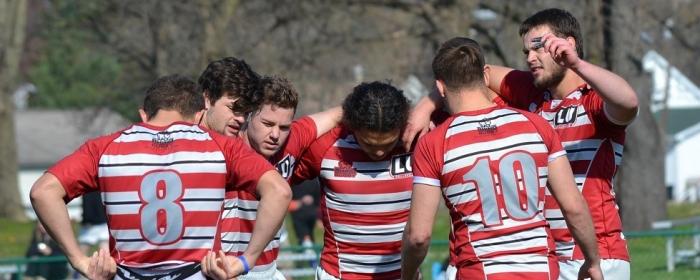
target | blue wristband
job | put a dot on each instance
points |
(246, 267)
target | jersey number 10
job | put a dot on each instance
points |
(519, 187)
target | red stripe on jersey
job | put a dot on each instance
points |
(191, 180)
(367, 219)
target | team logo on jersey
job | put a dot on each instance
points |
(401, 165)
(485, 127)
(286, 166)
(344, 169)
(162, 140)
(565, 116)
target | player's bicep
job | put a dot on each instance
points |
(562, 184)
(497, 74)
(425, 201)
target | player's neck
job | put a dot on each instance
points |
(167, 117)
(568, 84)
(470, 100)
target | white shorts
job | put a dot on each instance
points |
(270, 272)
(93, 234)
(612, 269)
(451, 272)
(323, 275)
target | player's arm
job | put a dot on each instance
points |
(275, 195)
(327, 119)
(576, 213)
(497, 74)
(621, 102)
(47, 199)
(418, 122)
(419, 228)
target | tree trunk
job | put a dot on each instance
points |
(12, 28)
(641, 192)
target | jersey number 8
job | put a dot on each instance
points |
(161, 215)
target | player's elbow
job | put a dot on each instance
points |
(41, 191)
(418, 238)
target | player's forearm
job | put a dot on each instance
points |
(327, 119)
(413, 252)
(53, 214)
(615, 91)
(271, 211)
(580, 224)
(428, 104)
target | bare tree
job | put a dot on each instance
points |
(12, 28)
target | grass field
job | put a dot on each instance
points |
(648, 254)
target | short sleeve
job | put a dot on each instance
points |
(78, 171)
(595, 106)
(244, 166)
(302, 134)
(427, 161)
(517, 89)
(309, 165)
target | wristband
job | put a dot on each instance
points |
(246, 267)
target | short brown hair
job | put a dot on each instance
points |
(273, 90)
(173, 92)
(459, 63)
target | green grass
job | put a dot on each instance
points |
(14, 237)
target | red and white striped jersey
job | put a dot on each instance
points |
(364, 205)
(162, 187)
(594, 145)
(240, 210)
(491, 165)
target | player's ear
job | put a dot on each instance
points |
(143, 115)
(206, 100)
(440, 85)
(487, 74)
(198, 116)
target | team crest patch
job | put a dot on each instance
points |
(401, 165)
(285, 166)
(162, 140)
(344, 169)
(485, 127)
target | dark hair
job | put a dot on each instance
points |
(174, 92)
(375, 106)
(276, 91)
(459, 63)
(230, 76)
(562, 23)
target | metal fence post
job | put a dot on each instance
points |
(670, 261)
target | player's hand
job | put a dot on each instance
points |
(562, 51)
(101, 266)
(221, 267)
(590, 270)
(418, 124)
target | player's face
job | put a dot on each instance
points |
(268, 129)
(221, 118)
(545, 71)
(377, 145)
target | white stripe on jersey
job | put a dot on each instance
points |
(502, 117)
(368, 203)
(132, 240)
(348, 142)
(140, 133)
(555, 155)
(494, 149)
(124, 203)
(118, 171)
(516, 263)
(555, 218)
(160, 159)
(369, 263)
(368, 234)
(238, 241)
(426, 181)
(536, 237)
(474, 222)
(460, 193)
(366, 171)
(240, 208)
(618, 149)
(565, 249)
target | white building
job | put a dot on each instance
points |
(681, 98)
